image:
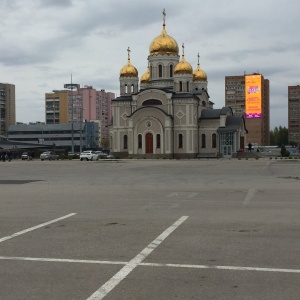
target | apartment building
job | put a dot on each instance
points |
(7, 107)
(80, 105)
(253, 97)
(294, 114)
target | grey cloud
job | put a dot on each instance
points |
(55, 3)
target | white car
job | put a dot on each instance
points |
(88, 155)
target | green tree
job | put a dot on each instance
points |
(279, 136)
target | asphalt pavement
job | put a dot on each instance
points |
(150, 229)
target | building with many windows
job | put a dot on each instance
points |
(84, 135)
(81, 105)
(258, 126)
(294, 114)
(7, 107)
(167, 112)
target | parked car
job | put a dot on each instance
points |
(101, 154)
(50, 155)
(24, 156)
(88, 155)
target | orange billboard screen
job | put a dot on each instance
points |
(253, 96)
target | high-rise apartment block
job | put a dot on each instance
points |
(248, 95)
(80, 105)
(7, 107)
(294, 114)
(56, 107)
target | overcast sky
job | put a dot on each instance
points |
(43, 41)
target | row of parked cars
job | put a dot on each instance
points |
(51, 155)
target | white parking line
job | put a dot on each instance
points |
(249, 196)
(34, 227)
(118, 277)
(65, 260)
(107, 262)
(237, 268)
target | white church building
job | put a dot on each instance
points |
(167, 113)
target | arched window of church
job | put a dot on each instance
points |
(150, 72)
(132, 88)
(151, 102)
(203, 140)
(214, 140)
(188, 86)
(126, 89)
(180, 140)
(180, 86)
(125, 141)
(171, 70)
(140, 143)
(160, 71)
(158, 141)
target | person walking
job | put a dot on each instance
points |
(249, 147)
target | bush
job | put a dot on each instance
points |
(284, 152)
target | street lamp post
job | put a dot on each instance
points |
(81, 121)
(71, 86)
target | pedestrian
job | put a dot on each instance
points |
(249, 147)
(3, 156)
(9, 155)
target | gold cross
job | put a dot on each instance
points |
(164, 17)
(128, 50)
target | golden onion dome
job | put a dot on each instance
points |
(198, 74)
(129, 70)
(183, 67)
(146, 76)
(163, 44)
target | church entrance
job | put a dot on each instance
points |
(149, 143)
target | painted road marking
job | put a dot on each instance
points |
(35, 227)
(118, 277)
(235, 268)
(249, 196)
(182, 194)
(106, 262)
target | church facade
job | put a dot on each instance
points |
(167, 113)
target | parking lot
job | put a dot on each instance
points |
(150, 229)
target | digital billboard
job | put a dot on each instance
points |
(253, 96)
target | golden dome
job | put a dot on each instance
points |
(199, 75)
(146, 76)
(183, 67)
(163, 44)
(129, 70)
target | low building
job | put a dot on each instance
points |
(57, 135)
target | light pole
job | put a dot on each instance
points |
(80, 130)
(71, 86)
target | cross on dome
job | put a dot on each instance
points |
(164, 17)
(128, 50)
